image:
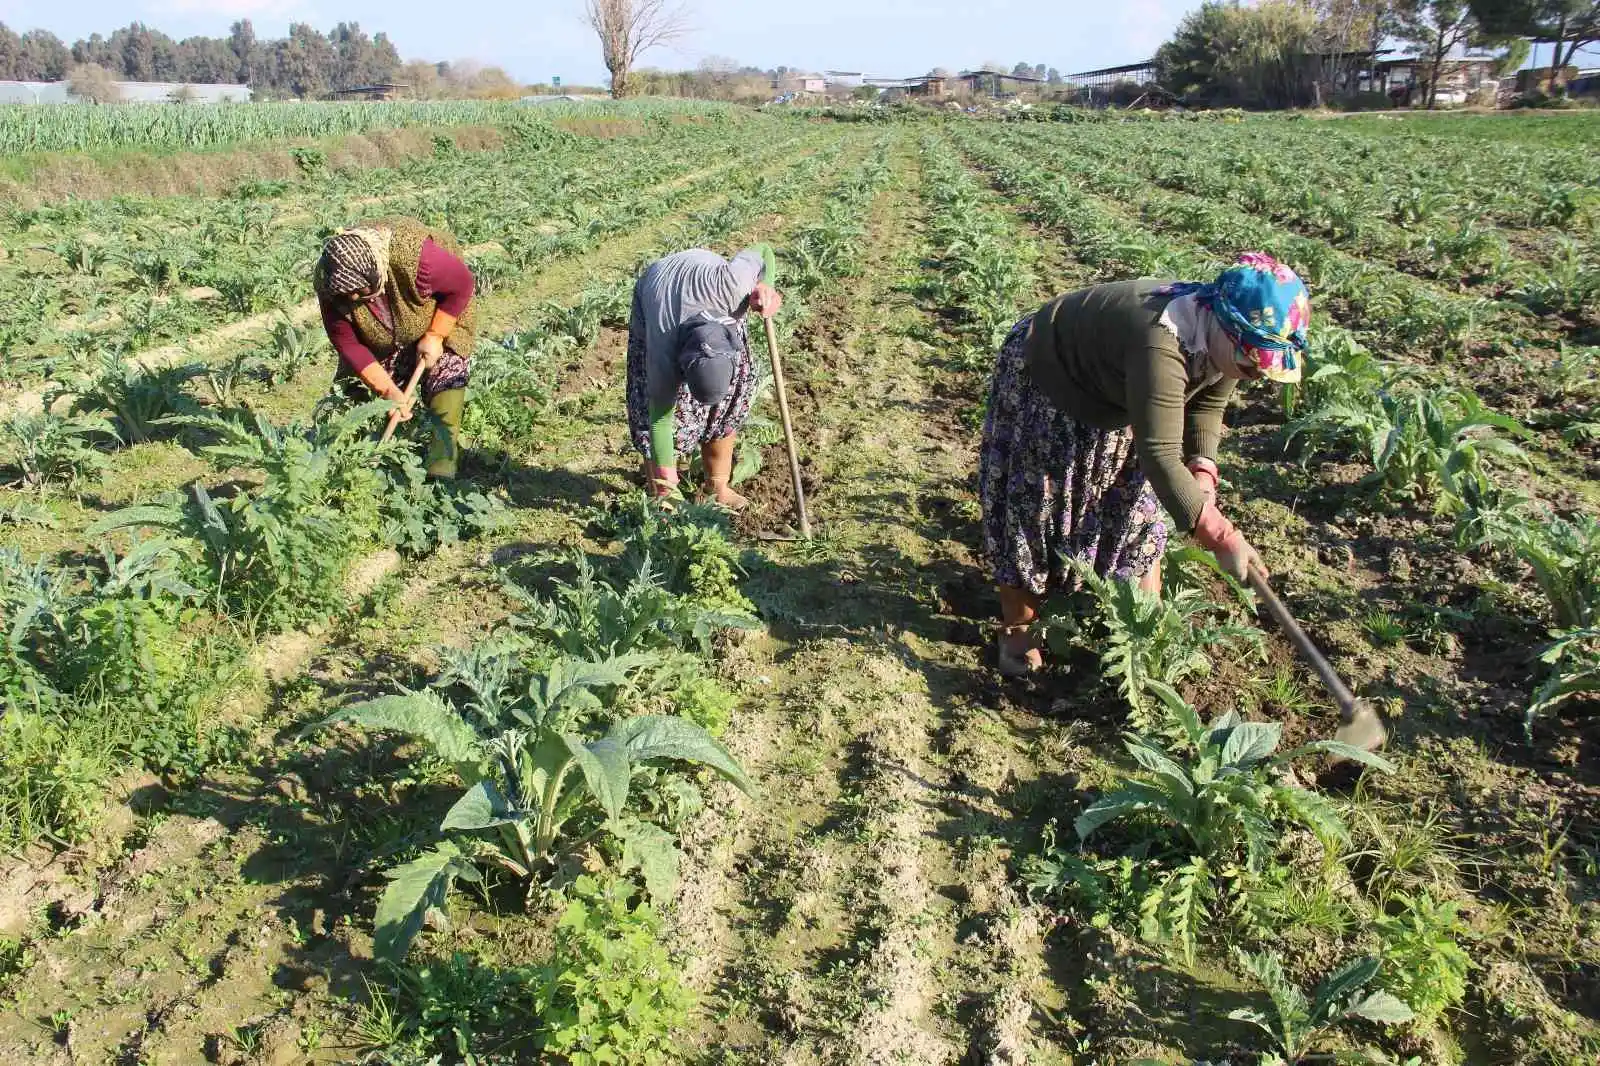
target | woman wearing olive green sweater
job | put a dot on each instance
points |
(1106, 406)
(690, 379)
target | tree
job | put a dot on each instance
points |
(1053, 76)
(10, 54)
(1041, 71)
(423, 77)
(93, 83)
(242, 43)
(44, 57)
(1225, 54)
(629, 28)
(1570, 24)
(1436, 29)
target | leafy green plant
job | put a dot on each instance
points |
(611, 994)
(1150, 642)
(46, 448)
(1222, 810)
(517, 758)
(691, 545)
(1574, 661)
(1422, 960)
(1564, 555)
(134, 396)
(593, 618)
(1298, 1019)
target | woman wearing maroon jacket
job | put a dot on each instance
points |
(392, 292)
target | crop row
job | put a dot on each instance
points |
(126, 285)
(158, 127)
(1204, 845)
(1442, 233)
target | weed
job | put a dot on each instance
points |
(1423, 963)
(1298, 1019)
(46, 448)
(611, 992)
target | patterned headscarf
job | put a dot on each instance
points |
(353, 260)
(1265, 308)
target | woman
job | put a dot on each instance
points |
(690, 379)
(392, 292)
(1107, 402)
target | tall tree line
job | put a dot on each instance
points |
(305, 63)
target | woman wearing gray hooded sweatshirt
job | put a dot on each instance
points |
(690, 379)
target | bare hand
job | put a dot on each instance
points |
(765, 300)
(1237, 556)
(429, 349)
(402, 406)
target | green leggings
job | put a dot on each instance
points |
(444, 450)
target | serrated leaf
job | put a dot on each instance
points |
(1316, 812)
(655, 853)
(414, 889)
(1330, 995)
(665, 736)
(1339, 750)
(417, 714)
(1382, 1007)
(153, 515)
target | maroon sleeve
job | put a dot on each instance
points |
(342, 335)
(445, 278)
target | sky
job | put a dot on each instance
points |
(536, 40)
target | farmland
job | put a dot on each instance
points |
(305, 758)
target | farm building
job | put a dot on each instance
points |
(1405, 78)
(996, 82)
(133, 92)
(1113, 85)
(814, 84)
(387, 91)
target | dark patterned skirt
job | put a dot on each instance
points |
(697, 423)
(1054, 489)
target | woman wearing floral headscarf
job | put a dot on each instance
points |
(392, 292)
(1106, 406)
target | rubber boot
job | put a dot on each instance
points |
(444, 450)
(717, 458)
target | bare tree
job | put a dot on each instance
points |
(629, 28)
(92, 82)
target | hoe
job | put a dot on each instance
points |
(1361, 728)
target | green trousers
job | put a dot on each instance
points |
(444, 450)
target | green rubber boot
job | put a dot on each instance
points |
(444, 450)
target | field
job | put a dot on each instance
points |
(305, 759)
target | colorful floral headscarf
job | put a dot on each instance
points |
(1264, 306)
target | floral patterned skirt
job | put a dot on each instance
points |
(451, 371)
(697, 423)
(1054, 489)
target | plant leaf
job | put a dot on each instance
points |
(1338, 749)
(606, 769)
(1249, 743)
(414, 889)
(654, 851)
(1382, 1007)
(418, 714)
(665, 736)
(479, 807)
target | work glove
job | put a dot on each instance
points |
(1206, 477)
(1234, 554)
